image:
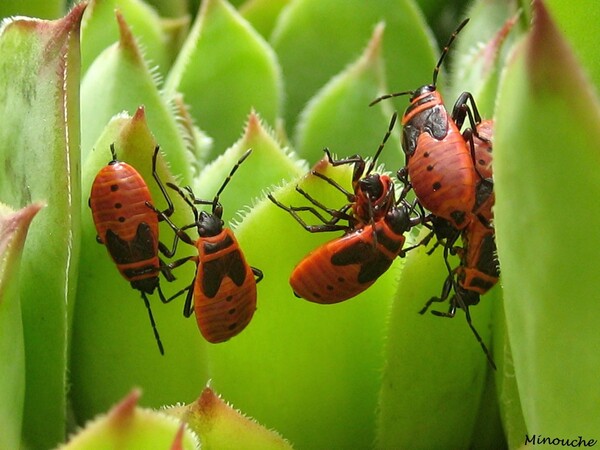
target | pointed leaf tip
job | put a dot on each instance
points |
(123, 411)
(127, 40)
(374, 47)
(253, 124)
(10, 221)
(72, 21)
(207, 402)
(140, 114)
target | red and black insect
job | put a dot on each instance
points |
(484, 188)
(224, 287)
(372, 194)
(482, 146)
(373, 234)
(439, 161)
(477, 273)
(478, 270)
(128, 229)
(347, 265)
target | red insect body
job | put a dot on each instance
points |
(478, 271)
(439, 163)
(223, 291)
(485, 197)
(373, 235)
(124, 223)
(128, 228)
(348, 265)
(224, 288)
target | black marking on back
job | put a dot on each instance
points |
(488, 261)
(214, 247)
(231, 265)
(140, 248)
(373, 263)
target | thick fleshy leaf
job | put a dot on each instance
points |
(488, 431)
(479, 52)
(49, 9)
(337, 117)
(298, 356)
(111, 322)
(508, 397)
(267, 159)
(315, 39)
(171, 8)
(262, 14)
(39, 150)
(221, 90)
(13, 230)
(222, 427)
(120, 80)
(574, 21)
(99, 31)
(545, 167)
(430, 361)
(128, 426)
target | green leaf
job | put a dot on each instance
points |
(111, 320)
(262, 14)
(338, 117)
(488, 430)
(170, 8)
(39, 150)
(49, 9)
(224, 70)
(479, 53)
(297, 356)
(315, 39)
(222, 427)
(545, 155)
(511, 411)
(119, 80)
(267, 158)
(99, 31)
(13, 230)
(574, 22)
(430, 361)
(128, 426)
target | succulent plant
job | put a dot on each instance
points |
(288, 78)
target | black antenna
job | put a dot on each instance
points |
(436, 69)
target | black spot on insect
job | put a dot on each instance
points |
(114, 187)
(232, 327)
(437, 185)
(118, 205)
(429, 168)
(122, 219)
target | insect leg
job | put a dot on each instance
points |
(447, 287)
(326, 226)
(170, 208)
(257, 273)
